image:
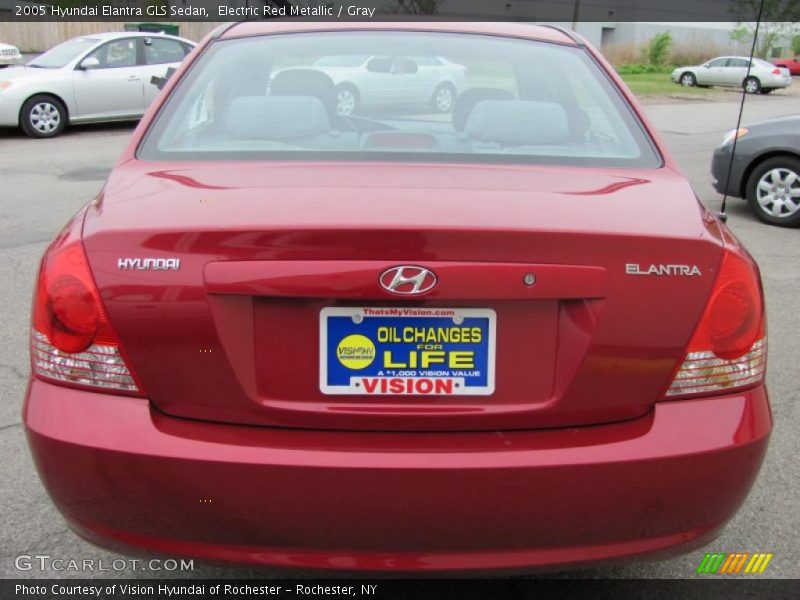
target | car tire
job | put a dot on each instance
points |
(751, 85)
(443, 98)
(688, 79)
(347, 99)
(43, 116)
(773, 191)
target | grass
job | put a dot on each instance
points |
(658, 84)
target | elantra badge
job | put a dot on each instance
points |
(684, 270)
(407, 280)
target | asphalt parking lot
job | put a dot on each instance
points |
(44, 182)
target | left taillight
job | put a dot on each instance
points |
(72, 340)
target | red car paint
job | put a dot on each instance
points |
(793, 64)
(575, 458)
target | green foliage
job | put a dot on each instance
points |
(659, 47)
(416, 7)
(778, 18)
(741, 34)
(796, 45)
(659, 84)
(641, 69)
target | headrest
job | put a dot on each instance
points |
(467, 100)
(305, 82)
(277, 117)
(518, 122)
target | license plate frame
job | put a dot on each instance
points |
(342, 352)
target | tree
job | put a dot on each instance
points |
(778, 19)
(659, 46)
(417, 7)
(796, 45)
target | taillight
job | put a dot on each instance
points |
(72, 340)
(728, 349)
(776, 71)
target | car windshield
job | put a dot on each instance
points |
(490, 99)
(61, 55)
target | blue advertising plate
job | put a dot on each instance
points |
(407, 351)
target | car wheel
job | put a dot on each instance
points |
(751, 85)
(444, 97)
(773, 191)
(43, 117)
(346, 100)
(688, 80)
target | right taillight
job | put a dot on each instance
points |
(728, 349)
(72, 341)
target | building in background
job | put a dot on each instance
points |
(597, 20)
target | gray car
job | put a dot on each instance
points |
(732, 71)
(765, 169)
(99, 77)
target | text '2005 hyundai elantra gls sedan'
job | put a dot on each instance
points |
(509, 337)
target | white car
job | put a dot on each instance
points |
(9, 55)
(732, 71)
(102, 77)
(363, 81)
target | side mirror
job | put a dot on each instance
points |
(90, 63)
(380, 65)
(160, 82)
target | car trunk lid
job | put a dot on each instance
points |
(623, 262)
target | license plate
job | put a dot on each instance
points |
(407, 351)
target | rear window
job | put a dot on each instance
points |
(414, 97)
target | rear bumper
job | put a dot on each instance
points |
(776, 81)
(129, 477)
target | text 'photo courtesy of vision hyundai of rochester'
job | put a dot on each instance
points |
(398, 329)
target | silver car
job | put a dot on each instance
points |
(102, 77)
(731, 71)
(362, 81)
(9, 55)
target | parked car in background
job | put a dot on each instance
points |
(791, 63)
(370, 81)
(398, 341)
(100, 77)
(9, 55)
(765, 170)
(732, 71)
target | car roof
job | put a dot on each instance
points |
(110, 35)
(520, 30)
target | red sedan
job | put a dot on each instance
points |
(506, 337)
(791, 63)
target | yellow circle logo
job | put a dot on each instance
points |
(356, 352)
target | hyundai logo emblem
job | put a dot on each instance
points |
(407, 280)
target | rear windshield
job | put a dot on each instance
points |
(402, 96)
